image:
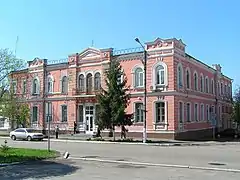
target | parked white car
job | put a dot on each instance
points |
(26, 134)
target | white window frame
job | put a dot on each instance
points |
(202, 113)
(154, 75)
(24, 89)
(207, 84)
(188, 72)
(137, 76)
(196, 88)
(94, 81)
(212, 86)
(180, 119)
(134, 105)
(52, 82)
(180, 80)
(165, 111)
(190, 112)
(202, 82)
(196, 112)
(208, 112)
(37, 86)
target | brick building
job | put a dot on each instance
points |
(183, 93)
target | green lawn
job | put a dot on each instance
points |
(20, 154)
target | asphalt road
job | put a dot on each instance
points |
(114, 161)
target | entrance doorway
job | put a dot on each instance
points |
(89, 119)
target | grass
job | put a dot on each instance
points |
(9, 155)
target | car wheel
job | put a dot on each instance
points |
(29, 138)
(13, 137)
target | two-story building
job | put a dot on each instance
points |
(184, 95)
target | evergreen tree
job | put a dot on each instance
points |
(114, 99)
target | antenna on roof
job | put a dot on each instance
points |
(92, 43)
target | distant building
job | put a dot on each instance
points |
(184, 94)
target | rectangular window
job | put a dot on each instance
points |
(80, 113)
(34, 114)
(64, 113)
(160, 112)
(196, 112)
(208, 112)
(188, 112)
(24, 86)
(180, 112)
(202, 112)
(48, 111)
(138, 112)
(14, 87)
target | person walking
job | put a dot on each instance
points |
(75, 128)
(57, 131)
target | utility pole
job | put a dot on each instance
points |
(145, 91)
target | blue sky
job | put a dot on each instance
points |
(56, 28)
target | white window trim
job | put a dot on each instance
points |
(202, 89)
(207, 113)
(190, 79)
(95, 72)
(134, 113)
(52, 78)
(182, 78)
(133, 71)
(165, 115)
(202, 112)
(154, 83)
(67, 83)
(207, 87)
(190, 112)
(195, 72)
(24, 80)
(38, 86)
(212, 82)
(194, 111)
(179, 112)
(78, 82)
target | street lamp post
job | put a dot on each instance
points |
(144, 61)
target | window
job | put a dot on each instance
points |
(89, 83)
(50, 85)
(139, 112)
(64, 84)
(196, 112)
(81, 83)
(80, 113)
(202, 112)
(14, 87)
(24, 87)
(181, 111)
(35, 87)
(180, 76)
(34, 114)
(207, 85)
(208, 112)
(225, 89)
(219, 91)
(160, 112)
(160, 75)
(188, 79)
(188, 112)
(221, 88)
(48, 111)
(212, 87)
(195, 81)
(139, 77)
(97, 81)
(201, 83)
(64, 113)
(229, 91)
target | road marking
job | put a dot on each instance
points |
(156, 164)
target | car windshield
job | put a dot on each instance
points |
(31, 131)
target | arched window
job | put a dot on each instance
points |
(207, 85)
(212, 87)
(81, 83)
(160, 75)
(138, 77)
(64, 84)
(201, 83)
(180, 76)
(97, 81)
(89, 83)
(35, 87)
(50, 85)
(188, 79)
(195, 81)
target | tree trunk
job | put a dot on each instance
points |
(114, 133)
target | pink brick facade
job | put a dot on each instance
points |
(183, 94)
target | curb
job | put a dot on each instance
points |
(10, 164)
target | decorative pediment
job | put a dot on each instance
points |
(90, 53)
(36, 62)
